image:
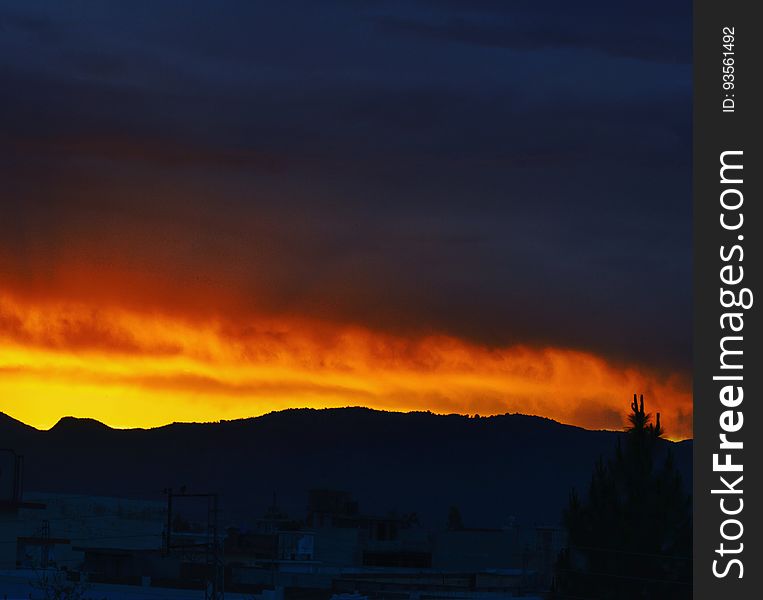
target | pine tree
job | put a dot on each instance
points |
(631, 537)
(455, 522)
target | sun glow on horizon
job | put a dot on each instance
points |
(129, 368)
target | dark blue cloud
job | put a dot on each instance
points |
(504, 171)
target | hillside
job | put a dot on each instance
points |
(490, 467)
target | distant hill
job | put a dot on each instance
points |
(492, 468)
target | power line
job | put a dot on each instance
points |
(631, 577)
(617, 551)
(104, 537)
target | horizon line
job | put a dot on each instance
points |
(470, 416)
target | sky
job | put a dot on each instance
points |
(215, 210)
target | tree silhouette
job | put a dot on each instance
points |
(631, 538)
(455, 522)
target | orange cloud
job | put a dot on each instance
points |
(140, 368)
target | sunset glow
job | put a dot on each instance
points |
(133, 369)
(444, 207)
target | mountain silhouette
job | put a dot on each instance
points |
(491, 468)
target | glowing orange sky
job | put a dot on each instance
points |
(201, 219)
(140, 368)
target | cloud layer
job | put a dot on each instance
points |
(500, 175)
(137, 370)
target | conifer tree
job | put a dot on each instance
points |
(631, 537)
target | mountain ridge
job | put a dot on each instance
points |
(70, 420)
(493, 468)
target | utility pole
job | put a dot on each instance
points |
(214, 584)
(168, 532)
(45, 551)
(215, 563)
